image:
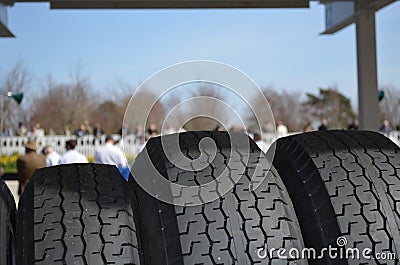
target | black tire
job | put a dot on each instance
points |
(228, 230)
(344, 184)
(76, 214)
(7, 225)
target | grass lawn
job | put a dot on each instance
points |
(10, 170)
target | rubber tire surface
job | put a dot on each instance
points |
(228, 230)
(7, 225)
(344, 184)
(76, 214)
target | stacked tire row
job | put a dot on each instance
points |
(307, 192)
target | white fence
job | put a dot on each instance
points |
(88, 144)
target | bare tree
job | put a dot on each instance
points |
(285, 107)
(109, 114)
(17, 80)
(195, 108)
(390, 105)
(202, 124)
(63, 106)
(136, 111)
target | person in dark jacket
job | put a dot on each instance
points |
(27, 164)
(353, 125)
(324, 125)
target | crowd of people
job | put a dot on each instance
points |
(35, 131)
(85, 129)
(108, 154)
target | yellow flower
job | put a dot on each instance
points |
(13, 159)
(3, 161)
(9, 161)
(90, 159)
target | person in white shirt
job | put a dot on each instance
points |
(72, 156)
(110, 154)
(281, 129)
(52, 157)
(39, 130)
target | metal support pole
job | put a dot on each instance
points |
(368, 104)
(2, 112)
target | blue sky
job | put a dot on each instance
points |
(278, 47)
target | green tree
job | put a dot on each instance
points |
(329, 104)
